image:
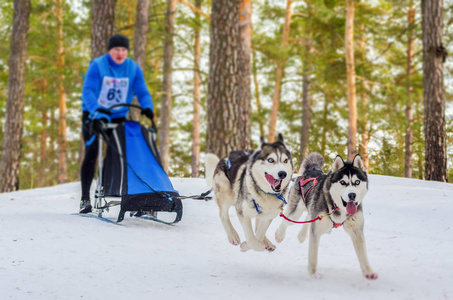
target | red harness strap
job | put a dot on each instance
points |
(305, 190)
(287, 219)
(311, 221)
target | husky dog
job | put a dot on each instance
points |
(255, 183)
(338, 197)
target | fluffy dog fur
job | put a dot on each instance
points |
(252, 183)
(344, 188)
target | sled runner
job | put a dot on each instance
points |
(131, 175)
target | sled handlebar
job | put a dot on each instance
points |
(153, 125)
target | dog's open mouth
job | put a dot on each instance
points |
(351, 207)
(276, 184)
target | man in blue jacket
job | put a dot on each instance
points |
(111, 79)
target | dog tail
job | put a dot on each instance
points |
(313, 162)
(211, 162)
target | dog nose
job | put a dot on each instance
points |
(351, 196)
(281, 174)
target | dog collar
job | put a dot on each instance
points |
(335, 208)
(278, 195)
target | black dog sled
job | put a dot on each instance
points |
(131, 170)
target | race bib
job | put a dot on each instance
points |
(113, 91)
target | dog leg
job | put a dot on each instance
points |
(293, 214)
(233, 236)
(261, 227)
(302, 236)
(251, 241)
(317, 229)
(313, 254)
(225, 199)
(354, 227)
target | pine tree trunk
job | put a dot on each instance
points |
(306, 103)
(279, 73)
(43, 150)
(350, 73)
(365, 134)
(223, 130)
(420, 167)
(52, 152)
(165, 110)
(102, 25)
(434, 54)
(102, 28)
(244, 96)
(196, 95)
(324, 128)
(43, 146)
(257, 93)
(409, 88)
(14, 118)
(62, 143)
(141, 32)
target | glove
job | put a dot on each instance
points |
(102, 114)
(96, 126)
(148, 112)
(100, 117)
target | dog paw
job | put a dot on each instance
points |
(371, 276)
(269, 246)
(301, 237)
(260, 246)
(245, 247)
(234, 240)
(280, 235)
(315, 275)
(313, 272)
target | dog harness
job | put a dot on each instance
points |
(306, 186)
(278, 195)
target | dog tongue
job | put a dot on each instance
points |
(351, 208)
(270, 179)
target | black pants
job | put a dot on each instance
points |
(91, 155)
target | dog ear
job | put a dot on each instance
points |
(357, 162)
(338, 163)
(280, 138)
(262, 142)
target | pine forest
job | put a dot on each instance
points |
(345, 77)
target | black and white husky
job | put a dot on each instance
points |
(338, 197)
(255, 183)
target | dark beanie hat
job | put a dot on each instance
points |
(118, 40)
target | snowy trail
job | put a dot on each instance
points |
(47, 252)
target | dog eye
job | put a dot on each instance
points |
(357, 182)
(271, 160)
(342, 182)
(285, 161)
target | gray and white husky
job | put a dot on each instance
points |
(338, 196)
(255, 182)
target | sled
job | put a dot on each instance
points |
(130, 173)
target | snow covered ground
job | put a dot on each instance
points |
(48, 252)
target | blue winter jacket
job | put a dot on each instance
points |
(107, 83)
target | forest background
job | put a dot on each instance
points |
(381, 39)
